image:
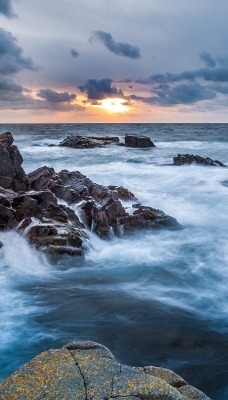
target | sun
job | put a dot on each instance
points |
(115, 105)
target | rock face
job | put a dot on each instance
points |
(87, 370)
(12, 175)
(57, 210)
(187, 159)
(88, 142)
(138, 141)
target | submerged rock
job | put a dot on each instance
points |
(132, 140)
(88, 142)
(12, 175)
(225, 183)
(88, 370)
(187, 159)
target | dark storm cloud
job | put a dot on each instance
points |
(6, 8)
(188, 93)
(118, 48)
(56, 97)
(218, 74)
(208, 59)
(9, 86)
(11, 55)
(211, 73)
(100, 89)
(74, 53)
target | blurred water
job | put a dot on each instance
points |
(152, 298)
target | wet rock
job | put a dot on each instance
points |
(187, 159)
(49, 226)
(100, 206)
(54, 227)
(88, 142)
(1, 245)
(225, 183)
(12, 175)
(122, 193)
(138, 141)
(87, 370)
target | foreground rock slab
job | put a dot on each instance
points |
(187, 159)
(88, 142)
(88, 371)
(138, 141)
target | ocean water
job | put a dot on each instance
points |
(154, 298)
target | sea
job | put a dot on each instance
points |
(154, 298)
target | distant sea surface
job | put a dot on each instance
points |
(152, 298)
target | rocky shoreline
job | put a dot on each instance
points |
(88, 371)
(42, 205)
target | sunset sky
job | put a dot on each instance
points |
(113, 61)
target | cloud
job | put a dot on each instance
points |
(212, 73)
(74, 53)
(100, 89)
(11, 55)
(208, 59)
(188, 93)
(118, 48)
(56, 97)
(6, 8)
(16, 97)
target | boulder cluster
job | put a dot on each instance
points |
(56, 211)
(89, 142)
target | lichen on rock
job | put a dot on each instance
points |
(88, 371)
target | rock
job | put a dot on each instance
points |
(51, 227)
(55, 228)
(88, 142)
(1, 245)
(87, 370)
(138, 141)
(12, 175)
(225, 183)
(187, 159)
(101, 207)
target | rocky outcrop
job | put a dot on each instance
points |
(88, 142)
(138, 141)
(187, 159)
(55, 210)
(50, 226)
(87, 370)
(12, 175)
(100, 207)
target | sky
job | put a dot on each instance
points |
(113, 61)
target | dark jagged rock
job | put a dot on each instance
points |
(88, 142)
(101, 207)
(88, 370)
(12, 175)
(132, 140)
(50, 226)
(55, 227)
(187, 159)
(1, 245)
(225, 183)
